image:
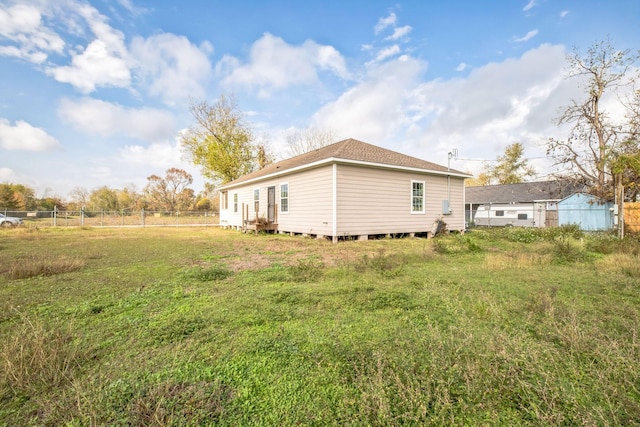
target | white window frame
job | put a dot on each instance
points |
(256, 200)
(284, 211)
(235, 202)
(413, 211)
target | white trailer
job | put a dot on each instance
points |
(516, 215)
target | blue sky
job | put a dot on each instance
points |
(95, 93)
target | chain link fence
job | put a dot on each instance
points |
(124, 218)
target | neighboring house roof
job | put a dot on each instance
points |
(347, 151)
(525, 192)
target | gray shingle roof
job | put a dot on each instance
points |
(525, 192)
(349, 150)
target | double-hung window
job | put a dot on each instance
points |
(235, 202)
(284, 197)
(417, 196)
(256, 199)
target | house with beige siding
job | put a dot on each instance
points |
(349, 189)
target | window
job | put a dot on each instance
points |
(522, 216)
(284, 198)
(256, 199)
(235, 202)
(225, 200)
(499, 213)
(417, 196)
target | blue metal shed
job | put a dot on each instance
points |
(589, 212)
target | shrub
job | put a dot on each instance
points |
(568, 250)
(523, 234)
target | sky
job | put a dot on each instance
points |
(96, 93)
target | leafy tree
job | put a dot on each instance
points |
(510, 168)
(17, 196)
(8, 199)
(103, 199)
(302, 141)
(221, 142)
(482, 179)
(594, 135)
(50, 203)
(129, 198)
(171, 192)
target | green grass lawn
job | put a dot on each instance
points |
(200, 326)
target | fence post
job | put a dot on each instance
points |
(102, 218)
(142, 216)
(122, 216)
(82, 216)
(55, 214)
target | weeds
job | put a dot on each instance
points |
(37, 358)
(567, 250)
(41, 265)
(381, 333)
(382, 263)
(170, 403)
(208, 274)
(307, 270)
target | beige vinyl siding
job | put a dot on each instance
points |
(310, 201)
(378, 201)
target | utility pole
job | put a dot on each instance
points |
(619, 206)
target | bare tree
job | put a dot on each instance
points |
(171, 192)
(302, 141)
(594, 135)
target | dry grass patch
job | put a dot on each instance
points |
(38, 357)
(626, 264)
(520, 260)
(41, 265)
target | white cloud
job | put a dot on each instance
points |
(387, 52)
(399, 32)
(564, 13)
(531, 34)
(529, 5)
(171, 67)
(7, 175)
(25, 137)
(155, 158)
(275, 64)
(103, 118)
(462, 66)
(22, 25)
(515, 100)
(103, 62)
(159, 155)
(385, 22)
(374, 109)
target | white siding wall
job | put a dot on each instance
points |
(310, 202)
(369, 201)
(377, 201)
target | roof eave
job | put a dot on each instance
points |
(331, 160)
